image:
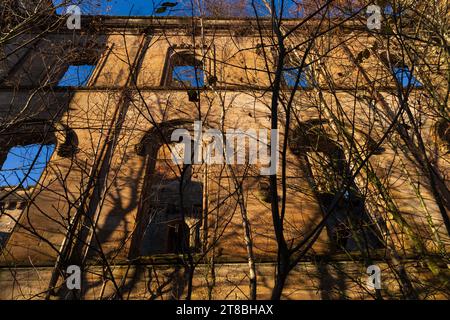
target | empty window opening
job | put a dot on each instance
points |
(167, 232)
(404, 77)
(24, 165)
(77, 76)
(350, 227)
(187, 76)
(175, 215)
(394, 11)
(290, 76)
(184, 70)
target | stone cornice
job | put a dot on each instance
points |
(237, 26)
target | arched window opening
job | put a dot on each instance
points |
(25, 153)
(184, 70)
(81, 64)
(349, 226)
(170, 213)
(26, 150)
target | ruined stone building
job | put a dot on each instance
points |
(95, 110)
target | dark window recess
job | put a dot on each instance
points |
(11, 205)
(310, 136)
(349, 226)
(180, 237)
(168, 233)
(443, 134)
(177, 237)
(193, 96)
(3, 237)
(24, 165)
(212, 80)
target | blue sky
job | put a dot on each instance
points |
(148, 7)
(114, 7)
(290, 77)
(405, 78)
(18, 164)
(76, 76)
(128, 7)
(189, 75)
(181, 7)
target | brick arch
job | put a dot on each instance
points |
(161, 134)
(315, 135)
(185, 56)
(311, 135)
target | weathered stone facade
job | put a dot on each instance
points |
(112, 167)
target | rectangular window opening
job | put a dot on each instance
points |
(77, 76)
(405, 77)
(290, 77)
(24, 165)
